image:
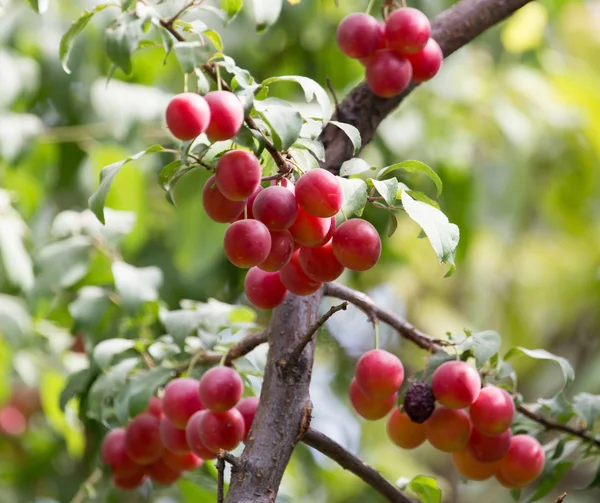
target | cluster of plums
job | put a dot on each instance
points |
(394, 52)
(285, 233)
(194, 420)
(468, 421)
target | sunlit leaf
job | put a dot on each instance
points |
(136, 285)
(106, 350)
(355, 166)
(311, 89)
(351, 132)
(107, 175)
(355, 196)
(442, 234)
(587, 406)
(426, 489)
(284, 121)
(542, 354)
(266, 12)
(413, 167)
(67, 40)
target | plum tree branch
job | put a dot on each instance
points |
(553, 425)
(237, 350)
(452, 29)
(307, 337)
(366, 304)
(421, 339)
(354, 464)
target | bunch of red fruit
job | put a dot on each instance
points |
(192, 423)
(285, 234)
(394, 52)
(479, 438)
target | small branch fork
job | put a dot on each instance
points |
(236, 351)
(297, 351)
(428, 343)
(354, 464)
(221, 458)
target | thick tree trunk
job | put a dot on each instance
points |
(284, 410)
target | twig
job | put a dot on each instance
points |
(561, 498)
(221, 458)
(236, 351)
(333, 95)
(220, 479)
(81, 494)
(306, 338)
(354, 464)
(421, 339)
(553, 425)
(366, 304)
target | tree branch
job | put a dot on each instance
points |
(283, 412)
(452, 29)
(421, 339)
(553, 425)
(297, 351)
(561, 498)
(366, 304)
(354, 464)
(236, 351)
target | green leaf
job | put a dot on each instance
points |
(413, 167)
(16, 324)
(266, 12)
(485, 345)
(165, 175)
(351, 132)
(180, 323)
(136, 285)
(121, 40)
(355, 196)
(419, 196)
(214, 38)
(387, 189)
(551, 476)
(587, 406)
(77, 383)
(314, 146)
(18, 266)
(40, 6)
(355, 166)
(106, 350)
(393, 224)
(193, 493)
(426, 489)
(107, 175)
(435, 360)
(51, 385)
(311, 89)
(64, 263)
(442, 234)
(190, 55)
(542, 354)
(67, 40)
(231, 7)
(138, 390)
(108, 386)
(284, 121)
(89, 307)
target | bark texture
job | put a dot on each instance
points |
(284, 411)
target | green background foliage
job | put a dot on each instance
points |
(511, 126)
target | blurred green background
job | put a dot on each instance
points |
(511, 124)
